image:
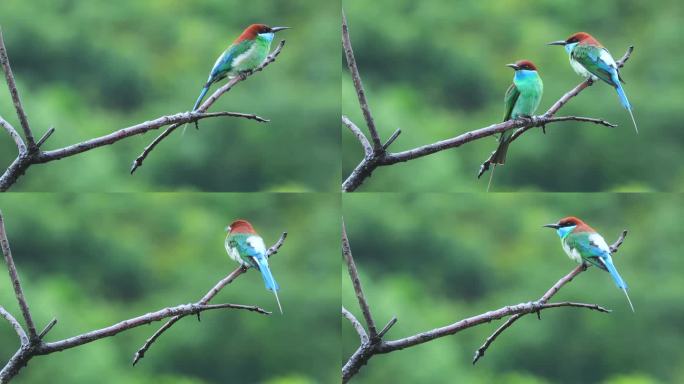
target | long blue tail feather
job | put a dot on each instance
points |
(624, 101)
(269, 281)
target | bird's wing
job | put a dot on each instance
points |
(591, 246)
(511, 97)
(224, 63)
(250, 247)
(596, 60)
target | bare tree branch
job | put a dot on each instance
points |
(30, 153)
(16, 284)
(9, 77)
(140, 353)
(358, 85)
(23, 339)
(137, 163)
(25, 353)
(354, 275)
(138, 129)
(380, 157)
(544, 299)
(32, 345)
(370, 347)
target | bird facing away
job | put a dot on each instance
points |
(247, 248)
(584, 245)
(521, 100)
(246, 53)
(592, 60)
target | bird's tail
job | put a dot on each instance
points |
(618, 279)
(197, 104)
(269, 281)
(499, 156)
(201, 97)
(491, 176)
(625, 102)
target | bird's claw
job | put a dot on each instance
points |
(543, 127)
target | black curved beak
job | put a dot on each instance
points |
(559, 42)
(278, 29)
(514, 66)
(554, 226)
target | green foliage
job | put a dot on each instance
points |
(436, 69)
(94, 260)
(434, 259)
(89, 68)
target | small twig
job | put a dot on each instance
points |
(46, 136)
(367, 148)
(140, 353)
(354, 274)
(21, 147)
(137, 163)
(23, 339)
(9, 77)
(358, 85)
(387, 326)
(391, 139)
(14, 277)
(356, 324)
(47, 328)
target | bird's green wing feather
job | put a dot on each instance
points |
(590, 58)
(511, 97)
(225, 63)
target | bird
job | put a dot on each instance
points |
(246, 53)
(592, 61)
(521, 100)
(584, 245)
(247, 248)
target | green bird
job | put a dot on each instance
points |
(522, 100)
(246, 53)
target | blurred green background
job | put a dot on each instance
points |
(91, 67)
(436, 69)
(94, 260)
(433, 259)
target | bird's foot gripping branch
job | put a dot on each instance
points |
(30, 151)
(372, 342)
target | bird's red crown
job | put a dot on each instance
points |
(251, 32)
(241, 226)
(526, 64)
(580, 226)
(583, 38)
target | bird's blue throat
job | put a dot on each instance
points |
(267, 36)
(524, 74)
(570, 47)
(564, 231)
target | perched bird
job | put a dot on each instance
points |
(246, 247)
(592, 60)
(522, 100)
(584, 245)
(246, 53)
